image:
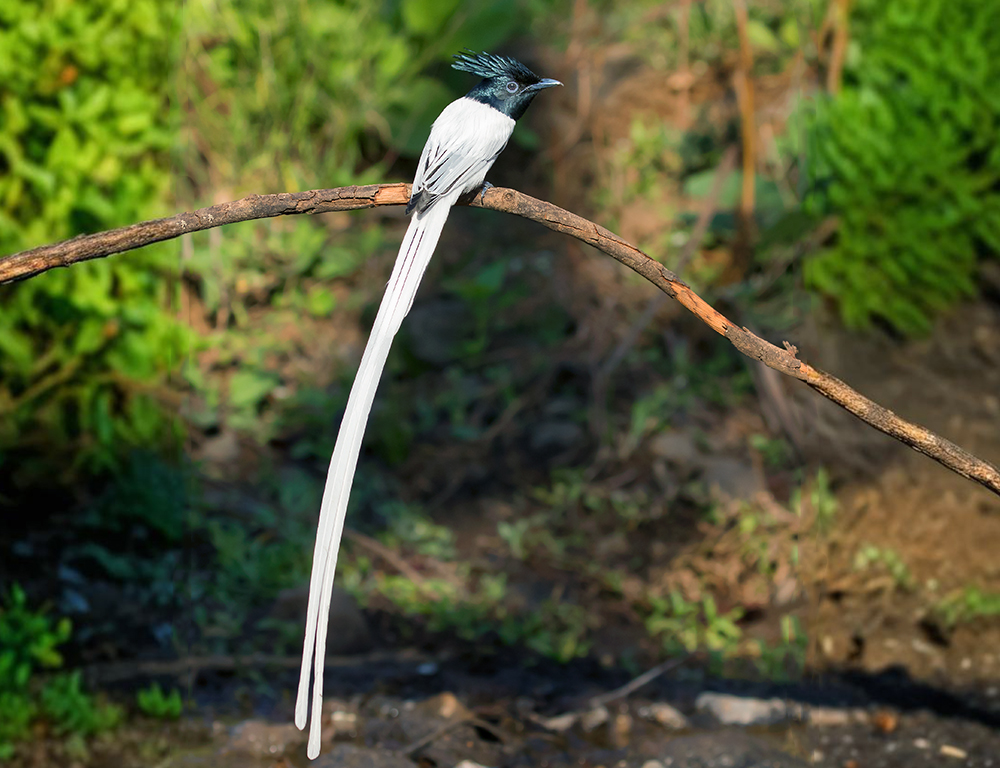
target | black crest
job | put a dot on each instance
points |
(488, 65)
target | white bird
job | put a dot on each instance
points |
(464, 142)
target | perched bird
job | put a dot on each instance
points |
(465, 140)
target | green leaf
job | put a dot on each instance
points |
(761, 36)
(320, 301)
(247, 387)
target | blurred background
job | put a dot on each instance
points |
(564, 471)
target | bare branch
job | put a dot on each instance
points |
(29, 263)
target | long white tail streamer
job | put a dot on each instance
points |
(414, 255)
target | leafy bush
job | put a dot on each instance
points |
(71, 710)
(310, 89)
(908, 157)
(28, 645)
(82, 115)
(83, 139)
(28, 641)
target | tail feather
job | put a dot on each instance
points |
(414, 255)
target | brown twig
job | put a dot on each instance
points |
(743, 84)
(434, 735)
(38, 260)
(386, 554)
(841, 36)
(636, 683)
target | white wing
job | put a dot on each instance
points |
(464, 142)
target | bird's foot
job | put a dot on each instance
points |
(482, 192)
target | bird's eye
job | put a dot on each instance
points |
(512, 87)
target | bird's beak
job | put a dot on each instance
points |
(546, 83)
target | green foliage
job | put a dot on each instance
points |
(155, 702)
(786, 659)
(718, 379)
(72, 710)
(968, 605)
(409, 527)
(28, 641)
(775, 451)
(147, 492)
(82, 116)
(688, 625)
(28, 645)
(17, 712)
(526, 534)
(312, 87)
(83, 139)
(307, 94)
(908, 158)
(818, 499)
(251, 566)
(870, 557)
(556, 630)
(443, 604)
(659, 36)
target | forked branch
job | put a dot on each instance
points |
(23, 265)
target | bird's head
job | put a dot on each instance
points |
(507, 84)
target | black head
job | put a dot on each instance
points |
(507, 84)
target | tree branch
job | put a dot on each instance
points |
(27, 264)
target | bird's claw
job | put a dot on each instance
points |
(482, 192)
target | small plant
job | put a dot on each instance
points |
(774, 451)
(408, 526)
(691, 625)
(28, 644)
(529, 534)
(872, 557)
(786, 659)
(28, 640)
(148, 494)
(71, 710)
(154, 702)
(968, 605)
(818, 498)
(555, 630)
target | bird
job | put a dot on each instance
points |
(465, 140)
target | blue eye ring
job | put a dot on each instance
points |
(512, 87)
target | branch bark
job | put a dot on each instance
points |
(27, 264)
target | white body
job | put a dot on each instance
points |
(465, 140)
